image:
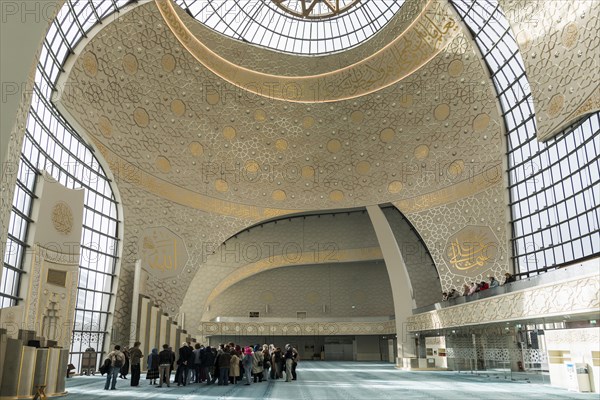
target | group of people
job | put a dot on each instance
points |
(228, 363)
(469, 290)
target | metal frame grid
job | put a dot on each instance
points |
(51, 144)
(261, 22)
(553, 186)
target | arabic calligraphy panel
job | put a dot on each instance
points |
(163, 253)
(471, 251)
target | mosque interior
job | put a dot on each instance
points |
(312, 172)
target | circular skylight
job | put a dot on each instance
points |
(295, 26)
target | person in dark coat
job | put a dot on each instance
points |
(125, 367)
(185, 355)
(136, 356)
(207, 362)
(509, 278)
(152, 373)
(165, 360)
(224, 360)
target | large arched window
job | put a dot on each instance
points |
(52, 145)
(553, 185)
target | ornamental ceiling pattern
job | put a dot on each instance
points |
(170, 126)
(252, 57)
(205, 159)
(560, 47)
(427, 36)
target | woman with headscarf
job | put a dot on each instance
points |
(247, 362)
(152, 373)
(234, 367)
(266, 361)
(257, 364)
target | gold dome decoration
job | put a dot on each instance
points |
(278, 195)
(395, 187)
(229, 133)
(308, 122)
(260, 115)
(455, 68)
(163, 164)
(570, 35)
(387, 135)
(363, 167)
(90, 64)
(481, 123)
(252, 167)
(307, 172)
(357, 117)
(441, 112)
(141, 117)
(336, 195)
(556, 105)
(386, 62)
(334, 145)
(62, 218)
(168, 62)
(213, 97)
(406, 101)
(421, 152)
(196, 149)
(221, 185)
(130, 64)
(178, 107)
(456, 168)
(105, 127)
(281, 144)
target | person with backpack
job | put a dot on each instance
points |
(117, 359)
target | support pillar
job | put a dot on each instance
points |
(399, 279)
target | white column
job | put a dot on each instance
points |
(135, 327)
(144, 331)
(399, 279)
(165, 326)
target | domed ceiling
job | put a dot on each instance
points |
(206, 135)
(295, 26)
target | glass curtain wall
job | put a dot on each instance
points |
(553, 185)
(51, 144)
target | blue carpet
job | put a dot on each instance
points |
(322, 380)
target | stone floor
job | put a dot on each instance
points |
(340, 380)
